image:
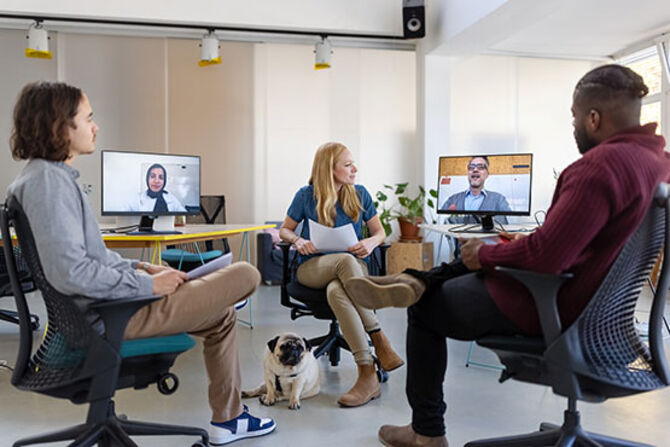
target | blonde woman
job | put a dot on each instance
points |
(333, 199)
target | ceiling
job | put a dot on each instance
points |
(581, 29)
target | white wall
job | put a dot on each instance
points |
(366, 101)
(256, 119)
(16, 72)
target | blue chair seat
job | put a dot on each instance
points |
(177, 255)
(157, 345)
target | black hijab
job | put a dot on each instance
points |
(160, 207)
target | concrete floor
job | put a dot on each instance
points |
(478, 405)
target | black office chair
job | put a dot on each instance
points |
(6, 288)
(82, 357)
(304, 301)
(600, 355)
(212, 211)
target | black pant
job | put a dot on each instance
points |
(457, 305)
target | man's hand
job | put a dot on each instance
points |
(512, 236)
(152, 269)
(364, 248)
(470, 252)
(305, 247)
(167, 281)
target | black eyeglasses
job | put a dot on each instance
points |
(472, 166)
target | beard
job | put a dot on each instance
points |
(584, 142)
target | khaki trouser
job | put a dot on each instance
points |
(204, 307)
(331, 271)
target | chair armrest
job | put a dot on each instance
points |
(544, 288)
(115, 313)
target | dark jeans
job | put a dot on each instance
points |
(457, 305)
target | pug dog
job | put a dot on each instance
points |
(291, 372)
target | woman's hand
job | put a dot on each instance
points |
(305, 247)
(364, 248)
(167, 281)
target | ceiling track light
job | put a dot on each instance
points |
(209, 50)
(323, 52)
(38, 42)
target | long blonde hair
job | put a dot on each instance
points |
(325, 191)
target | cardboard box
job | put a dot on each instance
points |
(403, 255)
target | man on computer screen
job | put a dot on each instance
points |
(476, 197)
(598, 203)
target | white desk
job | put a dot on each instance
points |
(444, 230)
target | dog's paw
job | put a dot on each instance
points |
(265, 400)
(246, 394)
(294, 405)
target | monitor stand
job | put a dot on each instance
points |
(487, 226)
(157, 225)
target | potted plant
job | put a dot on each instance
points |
(410, 212)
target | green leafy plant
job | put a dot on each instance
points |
(409, 208)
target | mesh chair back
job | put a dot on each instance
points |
(22, 270)
(611, 348)
(60, 359)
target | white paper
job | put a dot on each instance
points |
(215, 264)
(327, 239)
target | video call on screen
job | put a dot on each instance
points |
(124, 176)
(508, 175)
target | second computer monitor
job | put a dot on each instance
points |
(484, 186)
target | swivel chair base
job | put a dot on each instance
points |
(567, 435)
(330, 344)
(114, 431)
(13, 317)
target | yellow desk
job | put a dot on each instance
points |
(190, 233)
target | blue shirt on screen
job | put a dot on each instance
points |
(472, 202)
(303, 207)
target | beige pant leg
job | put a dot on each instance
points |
(331, 271)
(203, 307)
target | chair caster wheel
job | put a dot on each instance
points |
(200, 444)
(167, 383)
(382, 375)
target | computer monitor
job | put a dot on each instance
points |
(149, 185)
(475, 188)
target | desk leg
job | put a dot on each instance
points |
(246, 248)
(156, 257)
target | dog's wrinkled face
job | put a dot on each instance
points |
(288, 348)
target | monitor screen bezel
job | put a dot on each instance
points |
(146, 213)
(488, 212)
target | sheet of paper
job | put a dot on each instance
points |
(327, 239)
(215, 264)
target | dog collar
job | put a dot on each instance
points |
(278, 384)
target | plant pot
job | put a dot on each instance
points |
(409, 229)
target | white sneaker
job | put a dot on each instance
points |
(243, 426)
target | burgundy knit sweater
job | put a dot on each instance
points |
(598, 203)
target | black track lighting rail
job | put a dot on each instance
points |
(203, 27)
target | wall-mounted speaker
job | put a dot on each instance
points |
(413, 19)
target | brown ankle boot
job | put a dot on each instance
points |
(364, 390)
(388, 358)
(405, 436)
(403, 292)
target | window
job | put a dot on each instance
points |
(647, 64)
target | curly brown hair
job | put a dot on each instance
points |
(41, 115)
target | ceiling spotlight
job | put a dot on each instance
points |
(38, 42)
(323, 52)
(209, 50)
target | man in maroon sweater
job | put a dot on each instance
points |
(598, 203)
